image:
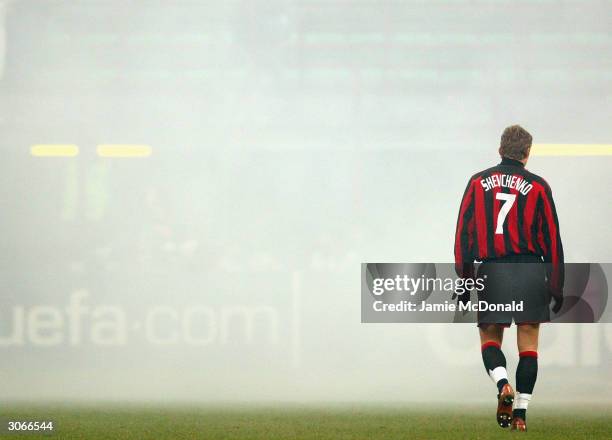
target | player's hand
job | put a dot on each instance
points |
(558, 303)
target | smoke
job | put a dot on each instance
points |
(289, 143)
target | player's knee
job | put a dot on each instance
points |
(527, 337)
(529, 328)
(491, 333)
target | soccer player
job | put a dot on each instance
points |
(508, 222)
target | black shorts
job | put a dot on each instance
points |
(517, 281)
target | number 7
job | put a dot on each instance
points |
(504, 210)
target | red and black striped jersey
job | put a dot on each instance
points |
(507, 210)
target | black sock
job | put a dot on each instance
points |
(501, 383)
(493, 357)
(520, 412)
(526, 375)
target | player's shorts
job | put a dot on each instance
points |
(513, 281)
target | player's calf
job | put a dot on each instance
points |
(526, 375)
(495, 364)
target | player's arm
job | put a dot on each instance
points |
(464, 234)
(551, 245)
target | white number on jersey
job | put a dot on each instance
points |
(505, 209)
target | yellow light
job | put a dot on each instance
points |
(571, 150)
(119, 150)
(54, 150)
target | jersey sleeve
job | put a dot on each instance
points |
(550, 242)
(464, 234)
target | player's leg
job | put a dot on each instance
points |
(526, 371)
(491, 337)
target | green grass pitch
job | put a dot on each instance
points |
(339, 421)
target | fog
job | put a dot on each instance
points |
(289, 142)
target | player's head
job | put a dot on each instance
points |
(515, 143)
